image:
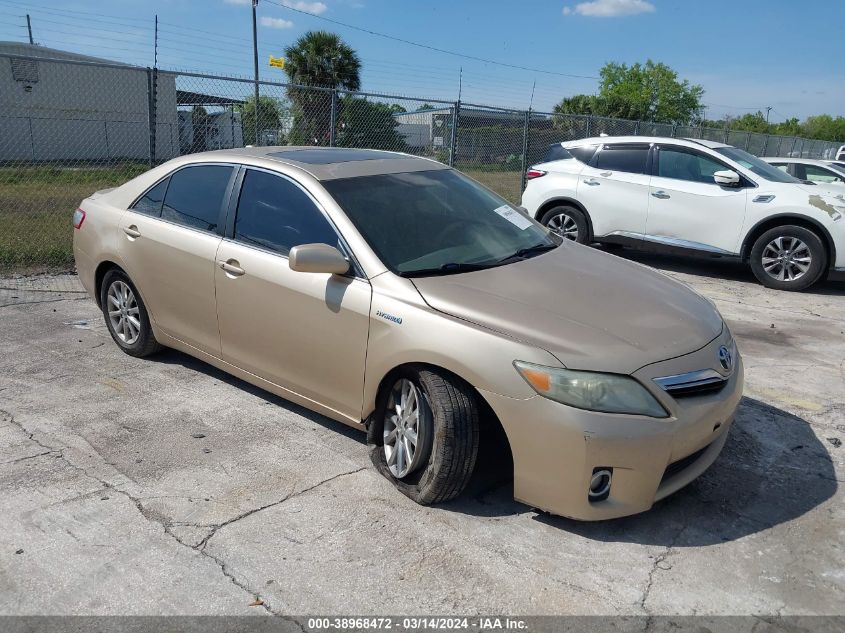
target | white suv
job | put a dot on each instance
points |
(691, 196)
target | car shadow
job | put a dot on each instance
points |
(174, 357)
(726, 269)
(773, 469)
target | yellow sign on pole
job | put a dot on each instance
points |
(278, 62)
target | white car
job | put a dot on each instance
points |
(840, 154)
(824, 173)
(691, 196)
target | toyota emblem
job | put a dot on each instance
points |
(725, 358)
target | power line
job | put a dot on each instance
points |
(431, 48)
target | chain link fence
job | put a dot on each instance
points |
(71, 127)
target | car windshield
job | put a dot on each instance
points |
(754, 164)
(437, 222)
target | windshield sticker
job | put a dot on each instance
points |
(514, 217)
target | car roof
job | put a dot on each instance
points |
(795, 159)
(323, 163)
(686, 142)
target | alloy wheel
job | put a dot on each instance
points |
(564, 225)
(124, 314)
(786, 258)
(404, 429)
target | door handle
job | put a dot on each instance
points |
(607, 174)
(591, 181)
(660, 194)
(132, 231)
(231, 267)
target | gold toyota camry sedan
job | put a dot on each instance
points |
(398, 296)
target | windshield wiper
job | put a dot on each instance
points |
(447, 269)
(529, 251)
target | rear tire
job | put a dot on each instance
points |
(447, 433)
(567, 222)
(788, 258)
(126, 315)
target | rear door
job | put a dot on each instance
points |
(614, 189)
(169, 240)
(306, 332)
(686, 206)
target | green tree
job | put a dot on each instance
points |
(368, 124)
(825, 127)
(270, 112)
(642, 92)
(318, 59)
(749, 122)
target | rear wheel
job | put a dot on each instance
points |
(126, 315)
(424, 434)
(567, 222)
(788, 258)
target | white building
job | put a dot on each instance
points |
(77, 111)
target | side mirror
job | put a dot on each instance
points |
(726, 177)
(317, 258)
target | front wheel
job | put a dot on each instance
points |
(567, 222)
(424, 434)
(788, 258)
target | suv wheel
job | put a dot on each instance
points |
(424, 435)
(567, 222)
(788, 258)
(126, 315)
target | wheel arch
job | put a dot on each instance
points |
(100, 273)
(786, 219)
(565, 200)
(492, 433)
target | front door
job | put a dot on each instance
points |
(306, 332)
(686, 206)
(168, 243)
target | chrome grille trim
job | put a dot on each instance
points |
(692, 383)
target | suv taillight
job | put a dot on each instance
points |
(78, 218)
(531, 174)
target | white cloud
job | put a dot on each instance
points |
(238, 1)
(610, 8)
(275, 23)
(310, 7)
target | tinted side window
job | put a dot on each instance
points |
(821, 175)
(150, 203)
(556, 152)
(583, 153)
(195, 196)
(274, 213)
(628, 158)
(686, 165)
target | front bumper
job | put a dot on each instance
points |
(556, 448)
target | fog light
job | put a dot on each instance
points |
(600, 484)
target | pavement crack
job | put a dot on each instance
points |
(21, 459)
(29, 303)
(660, 558)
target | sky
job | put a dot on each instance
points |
(747, 54)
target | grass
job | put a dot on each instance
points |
(36, 204)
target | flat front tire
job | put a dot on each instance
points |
(788, 258)
(126, 315)
(424, 434)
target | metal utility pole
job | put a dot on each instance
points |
(768, 109)
(155, 45)
(29, 28)
(255, 63)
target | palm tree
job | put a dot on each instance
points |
(321, 60)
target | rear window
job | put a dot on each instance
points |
(625, 158)
(195, 196)
(584, 153)
(556, 152)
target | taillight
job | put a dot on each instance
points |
(531, 174)
(78, 218)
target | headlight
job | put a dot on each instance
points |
(608, 393)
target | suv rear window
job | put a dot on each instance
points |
(626, 158)
(556, 152)
(584, 153)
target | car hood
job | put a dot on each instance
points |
(592, 310)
